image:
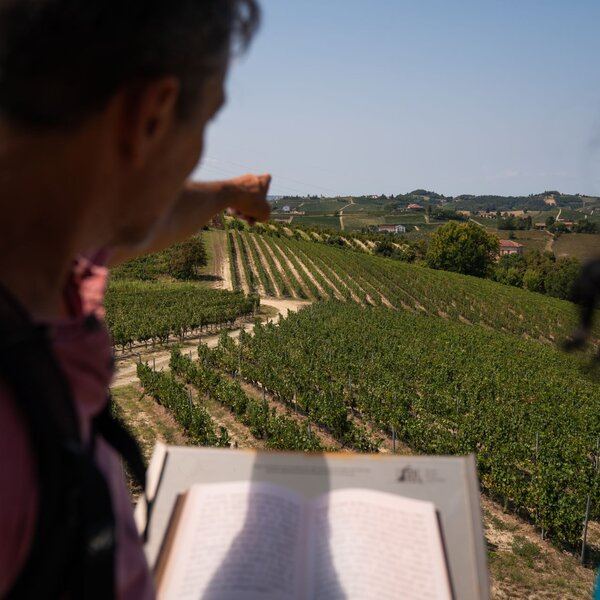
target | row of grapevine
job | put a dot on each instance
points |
(296, 283)
(196, 422)
(526, 410)
(152, 312)
(327, 410)
(233, 263)
(251, 278)
(259, 268)
(278, 431)
(281, 284)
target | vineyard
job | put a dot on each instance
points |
(443, 388)
(300, 269)
(152, 312)
(439, 362)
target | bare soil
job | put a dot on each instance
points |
(238, 253)
(281, 256)
(254, 267)
(266, 265)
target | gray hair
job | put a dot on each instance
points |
(62, 60)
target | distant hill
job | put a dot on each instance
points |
(534, 202)
(539, 202)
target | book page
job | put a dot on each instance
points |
(371, 545)
(236, 540)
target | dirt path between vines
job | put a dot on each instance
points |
(309, 261)
(239, 434)
(341, 282)
(221, 264)
(266, 266)
(254, 267)
(316, 283)
(277, 263)
(240, 266)
(292, 268)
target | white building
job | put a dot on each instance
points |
(391, 229)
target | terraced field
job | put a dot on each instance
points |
(286, 267)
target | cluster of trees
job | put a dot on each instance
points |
(513, 223)
(539, 272)
(444, 214)
(180, 261)
(582, 226)
(470, 250)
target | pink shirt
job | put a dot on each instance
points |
(85, 356)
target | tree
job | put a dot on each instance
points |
(586, 226)
(186, 257)
(464, 248)
(560, 281)
(550, 221)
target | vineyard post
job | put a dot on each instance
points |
(154, 364)
(585, 526)
(537, 448)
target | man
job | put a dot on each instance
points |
(103, 107)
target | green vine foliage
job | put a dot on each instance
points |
(526, 410)
(278, 431)
(153, 311)
(194, 419)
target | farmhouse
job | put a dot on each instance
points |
(391, 229)
(540, 226)
(286, 209)
(510, 247)
(415, 207)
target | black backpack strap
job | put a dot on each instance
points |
(73, 546)
(120, 438)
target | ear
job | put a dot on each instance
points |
(149, 113)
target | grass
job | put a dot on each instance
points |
(526, 550)
(144, 418)
(583, 246)
(318, 221)
(325, 206)
(532, 240)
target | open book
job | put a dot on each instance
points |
(260, 541)
(301, 522)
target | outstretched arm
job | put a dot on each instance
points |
(244, 196)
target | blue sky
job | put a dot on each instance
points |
(385, 96)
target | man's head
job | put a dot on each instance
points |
(132, 82)
(62, 60)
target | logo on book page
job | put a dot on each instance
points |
(412, 475)
(409, 475)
